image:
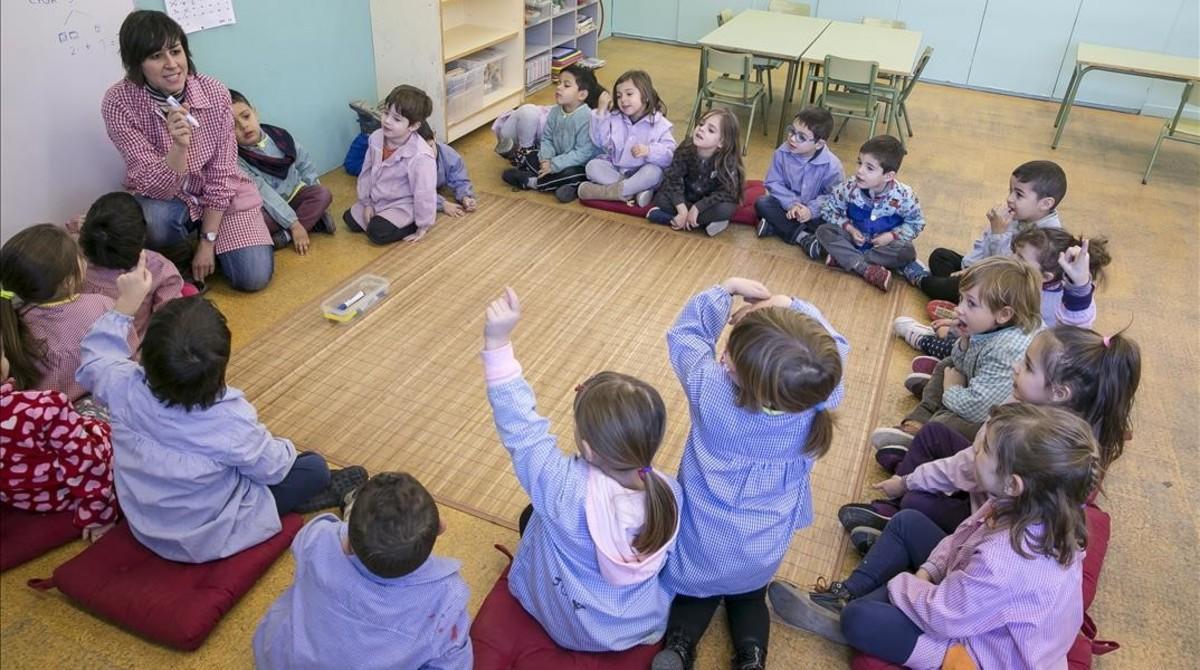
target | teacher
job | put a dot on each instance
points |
(181, 158)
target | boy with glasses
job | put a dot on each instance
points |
(803, 173)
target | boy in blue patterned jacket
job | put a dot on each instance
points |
(871, 219)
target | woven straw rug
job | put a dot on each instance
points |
(402, 387)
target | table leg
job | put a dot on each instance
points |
(1068, 100)
(785, 108)
(1063, 104)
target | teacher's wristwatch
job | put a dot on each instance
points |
(211, 237)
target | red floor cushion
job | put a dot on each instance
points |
(863, 661)
(506, 637)
(751, 191)
(26, 535)
(176, 604)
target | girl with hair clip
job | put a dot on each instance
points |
(703, 186)
(602, 522)
(760, 418)
(1093, 376)
(43, 313)
(635, 142)
(1004, 589)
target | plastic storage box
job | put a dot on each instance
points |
(464, 89)
(536, 10)
(491, 61)
(352, 300)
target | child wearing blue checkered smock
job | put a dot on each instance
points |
(759, 420)
(603, 522)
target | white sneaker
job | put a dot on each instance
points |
(911, 330)
(644, 197)
(887, 436)
(716, 227)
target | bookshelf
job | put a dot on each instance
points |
(556, 23)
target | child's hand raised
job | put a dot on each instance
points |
(604, 102)
(1076, 265)
(750, 289)
(500, 319)
(132, 287)
(773, 301)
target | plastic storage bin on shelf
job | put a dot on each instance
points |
(491, 61)
(352, 300)
(537, 10)
(464, 89)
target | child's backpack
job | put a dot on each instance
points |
(368, 122)
(1099, 527)
(356, 154)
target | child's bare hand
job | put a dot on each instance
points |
(299, 238)
(893, 487)
(133, 286)
(640, 151)
(998, 219)
(751, 290)
(953, 378)
(500, 319)
(470, 204)
(923, 575)
(543, 168)
(604, 102)
(773, 301)
(421, 232)
(693, 218)
(883, 239)
(1076, 265)
(453, 209)
(856, 235)
(368, 214)
(799, 213)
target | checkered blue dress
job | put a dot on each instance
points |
(744, 475)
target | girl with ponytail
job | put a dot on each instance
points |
(601, 523)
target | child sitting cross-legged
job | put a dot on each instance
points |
(1004, 589)
(198, 477)
(370, 585)
(703, 186)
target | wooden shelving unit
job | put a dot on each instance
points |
(558, 27)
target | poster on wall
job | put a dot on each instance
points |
(196, 15)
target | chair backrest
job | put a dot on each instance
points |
(731, 65)
(848, 73)
(1191, 96)
(786, 7)
(724, 16)
(916, 75)
(883, 23)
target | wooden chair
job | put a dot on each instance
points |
(895, 96)
(1178, 128)
(731, 86)
(849, 91)
(761, 64)
(786, 7)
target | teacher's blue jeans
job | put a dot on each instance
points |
(168, 225)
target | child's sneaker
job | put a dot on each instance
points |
(811, 246)
(890, 457)
(567, 193)
(916, 383)
(280, 239)
(831, 262)
(660, 217)
(914, 272)
(863, 538)
(940, 309)
(764, 229)
(644, 198)
(341, 482)
(910, 330)
(678, 652)
(505, 146)
(593, 191)
(716, 227)
(854, 515)
(925, 364)
(326, 225)
(804, 611)
(887, 436)
(749, 656)
(878, 276)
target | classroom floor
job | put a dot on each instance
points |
(966, 145)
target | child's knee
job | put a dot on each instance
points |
(323, 195)
(827, 232)
(762, 206)
(856, 623)
(599, 171)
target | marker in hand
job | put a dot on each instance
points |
(175, 105)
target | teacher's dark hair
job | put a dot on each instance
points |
(144, 33)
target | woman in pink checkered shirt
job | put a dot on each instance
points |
(181, 162)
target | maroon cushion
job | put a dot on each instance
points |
(751, 191)
(506, 637)
(177, 604)
(26, 535)
(863, 661)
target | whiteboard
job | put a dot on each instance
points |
(59, 56)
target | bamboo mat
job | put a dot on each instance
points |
(402, 388)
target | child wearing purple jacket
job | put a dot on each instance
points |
(635, 140)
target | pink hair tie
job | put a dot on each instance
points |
(1107, 339)
(642, 472)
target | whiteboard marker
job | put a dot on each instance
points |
(175, 105)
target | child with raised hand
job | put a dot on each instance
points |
(602, 522)
(702, 188)
(1093, 376)
(370, 584)
(557, 164)
(803, 174)
(112, 237)
(871, 220)
(44, 312)
(1005, 586)
(294, 201)
(760, 417)
(635, 142)
(397, 188)
(198, 477)
(452, 175)
(54, 459)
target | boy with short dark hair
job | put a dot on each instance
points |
(294, 201)
(368, 588)
(1035, 190)
(871, 219)
(803, 173)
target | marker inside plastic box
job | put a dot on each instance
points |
(350, 302)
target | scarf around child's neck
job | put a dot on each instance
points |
(275, 166)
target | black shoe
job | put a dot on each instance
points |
(341, 482)
(811, 246)
(863, 538)
(567, 193)
(764, 229)
(678, 652)
(833, 597)
(854, 515)
(514, 178)
(280, 239)
(325, 224)
(750, 657)
(656, 215)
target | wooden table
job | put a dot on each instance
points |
(771, 35)
(894, 49)
(1123, 61)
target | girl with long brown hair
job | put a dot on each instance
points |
(703, 186)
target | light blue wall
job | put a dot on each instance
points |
(298, 62)
(1184, 40)
(1016, 53)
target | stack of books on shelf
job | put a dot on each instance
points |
(563, 57)
(584, 24)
